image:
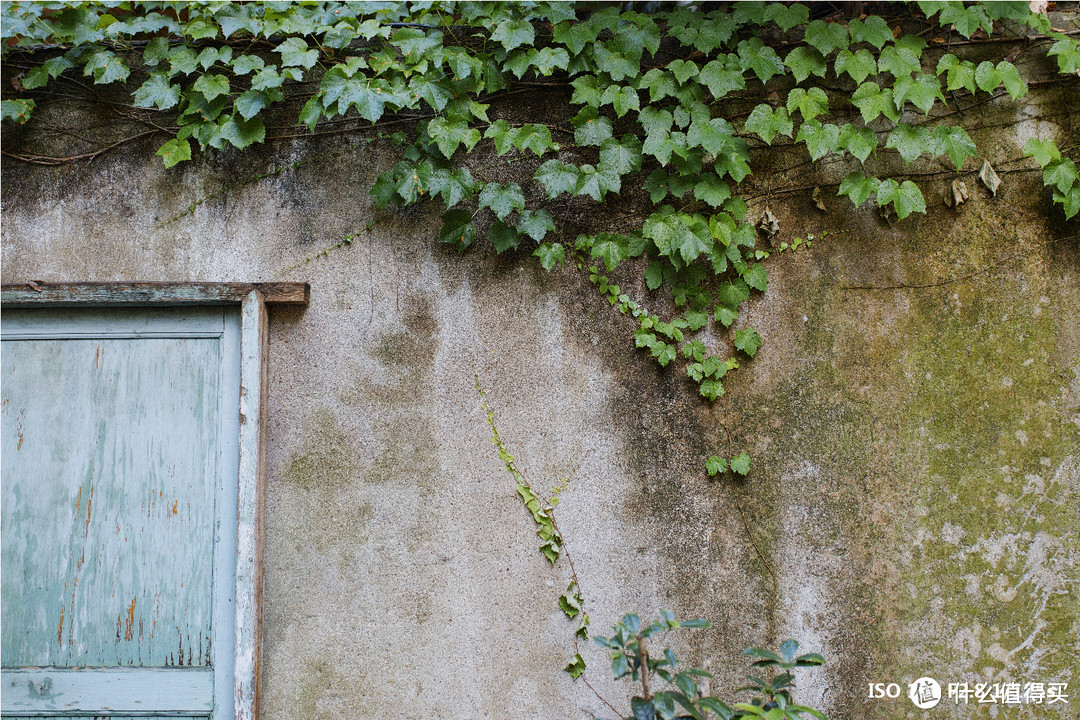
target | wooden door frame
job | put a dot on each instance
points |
(254, 358)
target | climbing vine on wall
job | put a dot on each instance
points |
(669, 105)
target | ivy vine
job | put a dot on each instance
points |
(669, 103)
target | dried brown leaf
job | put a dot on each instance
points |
(768, 224)
(989, 178)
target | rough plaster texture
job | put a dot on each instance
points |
(917, 448)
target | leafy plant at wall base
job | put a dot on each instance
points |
(669, 692)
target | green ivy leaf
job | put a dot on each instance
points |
(448, 134)
(826, 37)
(958, 73)
(174, 151)
(740, 464)
(513, 32)
(732, 293)
(955, 142)
(1014, 84)
(714, 135)
(457, 229)
(987, 76)
(756, 277)
(241, 133)
(1069, 201)
(860, 142)
(712, 190)
(620, 157)
(873, 30)
(502, 199)
(820, 139)
(1060, 173)
(858, 187)
(557, 177)
(858, 65)
(200, 30)
(920, 90)
(50, 69)
(805, 61)
(157, 92)
(502, 135)
(269, 78)
(211, 86)
(247, 63)
(906, 198)
(622, 98)
(696, 319)
(454, 186)
(725, 316)
(251, 103)
(536, 223)
(966, 20)
(755, 55)
(106, 68)
(1044, 151)
(910, 142)
(659, 83)
(418, 45)
(900, 60)
(609, 248)
(550, 254)
(810, 103)
(748, 341)
(1067, 51)
(590, 128)
(710, 389)
(155, 52)
(787, 16)
(654, 275)
(722, 78)
(570, 601)
(683, 70)
(295, 53)
(17, 110)
(767, 122)
(182, 60)
(575, 35)
(576, 666)
(873, 100)
(617, 65)
(503, 237)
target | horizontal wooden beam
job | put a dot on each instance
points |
(150, 293)
(100, 691)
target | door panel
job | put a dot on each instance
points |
(118, 510)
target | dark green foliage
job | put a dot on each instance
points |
(656, 102)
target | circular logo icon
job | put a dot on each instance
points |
(925, 693)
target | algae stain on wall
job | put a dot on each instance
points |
(990, 575)
(327, 514)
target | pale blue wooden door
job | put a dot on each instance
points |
(119, 441)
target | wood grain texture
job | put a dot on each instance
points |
(151, 293)
(108, 493)
(121, 459)
(250, 513)
(107, 692)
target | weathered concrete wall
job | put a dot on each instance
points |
(917, 445)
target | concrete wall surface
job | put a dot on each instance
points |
(914, 416)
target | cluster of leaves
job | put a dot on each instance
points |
(670, 104)
(1058, 172)
(682, 698)
(571, 602)
(542, 511)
